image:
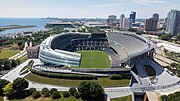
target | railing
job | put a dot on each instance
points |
(141, 89)
(125, 89)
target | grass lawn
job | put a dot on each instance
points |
(71, 98)
(125, 98)
(1, 98)
(23, 59)
(94, 59)
(7, 52)
(105, 82)
(48, 99)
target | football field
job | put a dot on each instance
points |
(94, 59)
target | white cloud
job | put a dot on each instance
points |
(148, 1)
(103, 5)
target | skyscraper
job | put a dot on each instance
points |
(150, 24)
(112, 20)
(126, 23)
(121, 21)
(173, 22)
(155, 16)
(133, 16)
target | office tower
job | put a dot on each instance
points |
(121, 21)
(155, 16)
(150, 24)
(126, 23)
(133, 16)
(173, 22)
(112, 20)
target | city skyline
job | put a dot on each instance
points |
(85, 8)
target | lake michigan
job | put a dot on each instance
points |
(39, 22)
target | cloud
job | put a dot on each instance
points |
(103, 5)
(146, 2)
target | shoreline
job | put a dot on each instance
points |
(15, 27)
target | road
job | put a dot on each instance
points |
(14, 73)
(111, 91)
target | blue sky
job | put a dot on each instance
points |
(85, 8)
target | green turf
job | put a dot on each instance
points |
(125, 98)
(23, 59)
(94, 59)
(105, 81)
(1, 98)
(71, 98)
(7, 53)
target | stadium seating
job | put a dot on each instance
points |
(131, 43)
(120, 47)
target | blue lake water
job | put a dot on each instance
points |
(39, 22)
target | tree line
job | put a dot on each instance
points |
(87, 91)
(7, 64)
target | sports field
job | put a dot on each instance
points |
(94, 59)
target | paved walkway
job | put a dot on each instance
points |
(5, 98)
(111, 91)
(152, 96)
(20, 54)
(13, 74)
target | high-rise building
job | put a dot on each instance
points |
(121, 21)
(155, 16)
(133, 16)
(150, 24)
(126, 23)
(112, 20)
(173, 22)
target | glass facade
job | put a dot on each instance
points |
(173, 22)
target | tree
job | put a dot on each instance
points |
(72, 90)
(66, 94)
(3, 83)
(166, 37)
(31, 90)
(6, 63)
(14, 63)
(53, 90)
(90, 90)
(17, 61)
(36, 94)
(173, 64)
(164, 97)
(19, 43)
(56, 95)
(178, 37)
(46, 94)
(44, 90)
(8, 90)
(20, 84)
(1, 92)
(77, 95)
